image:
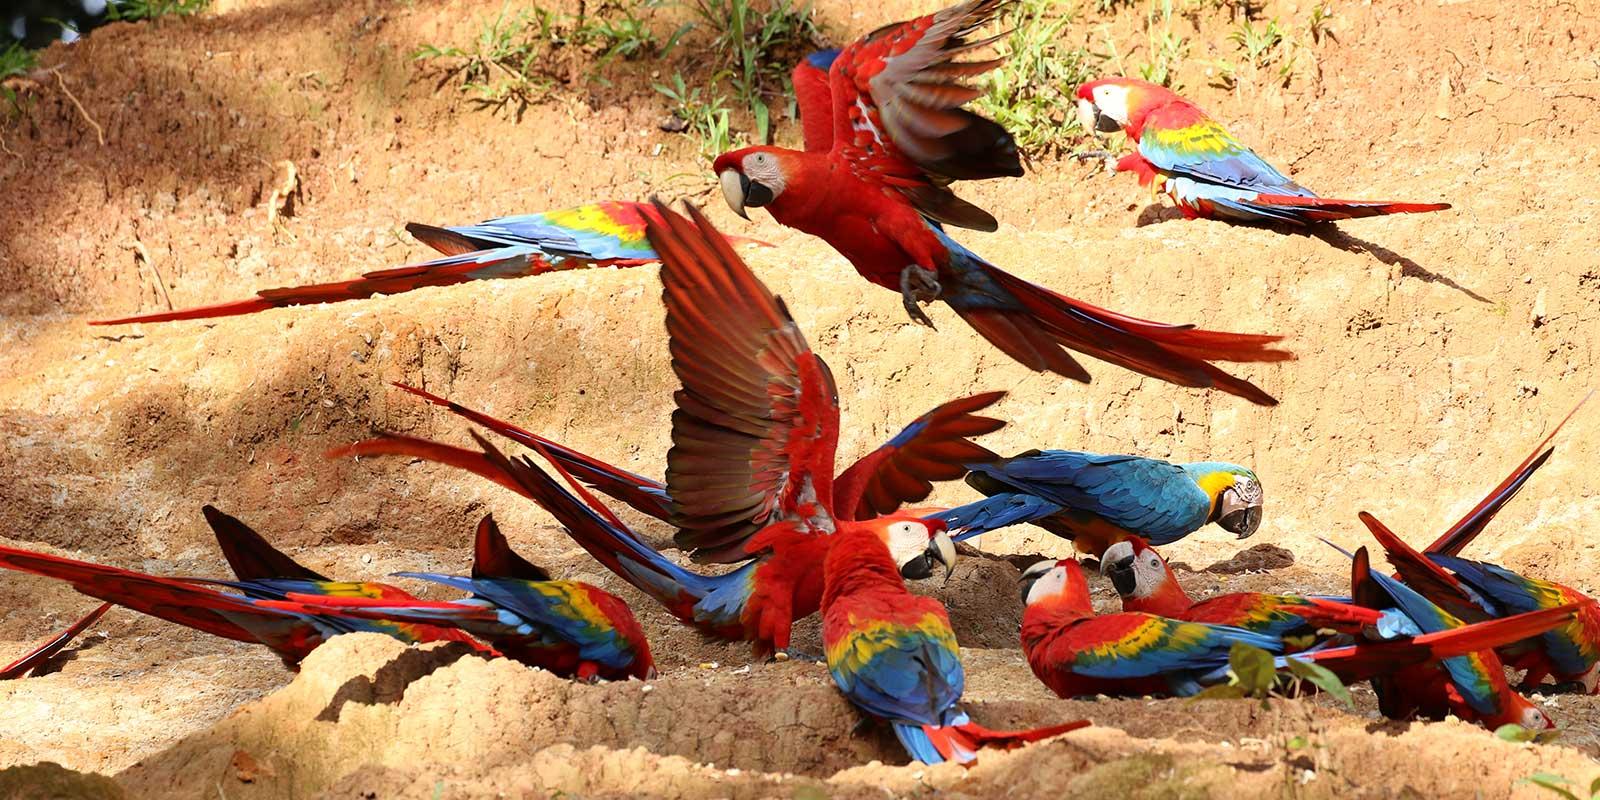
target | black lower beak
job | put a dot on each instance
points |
(1122, 578)
(756, 195)
(1105, 124)
(1243, 522)
(918, 568)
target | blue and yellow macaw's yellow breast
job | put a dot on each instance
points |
(1182, 140)
(1147, 497)
(1572, 647)
(596, 232)
(899, 671)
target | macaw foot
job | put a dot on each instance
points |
(918, 285)
(1104, 160)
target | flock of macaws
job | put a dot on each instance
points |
(752, 479)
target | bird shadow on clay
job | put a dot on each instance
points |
(1330, 234)
(388, 685)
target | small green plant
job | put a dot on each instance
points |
(1558, 784)
(16, 61)
(704, 116)
(132, 10)
(1259, 45)
(1031, 95)
(756, 49)
(1165, 48)
(1253, 672)
(499, 68)
(626, 37)
(1318, 25)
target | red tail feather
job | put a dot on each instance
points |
(48, 648)
(960, 743)
(1429, 579)
(1325, 209)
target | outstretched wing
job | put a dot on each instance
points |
(250, 556)
(1152, 498)
(898, 94)
(814, 99)
(932, 448)
(757, 419)
(1181, 139)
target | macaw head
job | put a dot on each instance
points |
(1137, 571)
(755, 176)
(1525, 713)
(1062, 580)
(1109, 105)
(916, 544)
(1235, 493)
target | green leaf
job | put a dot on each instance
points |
(1512, 732)
(1222, 691)
(1254, 669)
(1549, 781)
(1298, 743)
(1322, 678)
(1594, 787)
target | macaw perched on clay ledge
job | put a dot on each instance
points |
(1182, 151)
(885, 136)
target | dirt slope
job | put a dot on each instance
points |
(1434, 351)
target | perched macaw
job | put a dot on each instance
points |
(934, 447)
(1098, 500)
(1147, 584)
(1181, 150)
(894, 655)
(46, 650)
(1076, 653)
(873, 182)
(570, 628)
(1475, 591)
(185, 601)
(750, 473)
(607, 234)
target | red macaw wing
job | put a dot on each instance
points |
(898, 94)
(757, 421)
(250, 556)
(1428, 579)
(933, 448)
(1468, 527)
(47, 649)
(814, 99)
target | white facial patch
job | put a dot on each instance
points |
(907, 540)
(1053, 583)
(1113, 102)
(1149, 574)
(763, 168)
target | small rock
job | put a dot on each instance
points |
(1260, 558)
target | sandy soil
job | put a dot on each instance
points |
(1434, 351)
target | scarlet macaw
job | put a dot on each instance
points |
(750, 473)
(1077, 653)
(264, 573)
(1098, 500)
(607, 234)
(874, 183)
(1204, 170)
(41, 654)
(1475, 591)
(570, 628)
(894, 655)
(1147, 584)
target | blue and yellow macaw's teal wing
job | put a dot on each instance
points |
(907, 672)
(1574, 648)
(993, 513)
(1140, 496)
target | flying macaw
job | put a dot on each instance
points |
(934, 447)
(607, 234)
(1148, 585)
(1098, 500)
(1077, 653)
(1181, 150)
(570, 628)
(187, 602)
(750, 473)
(1471, 685)
(894, 655)
(1475, 591)
(873, 182)
(46, 650)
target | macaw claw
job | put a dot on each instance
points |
(918, 285)
(1105, 160)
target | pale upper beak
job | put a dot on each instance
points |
(733, 188)
(941, 548)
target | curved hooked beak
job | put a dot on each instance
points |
(741, 192)
(941, 549)
(1120, 571)
(1242, 521)
(1091, 119)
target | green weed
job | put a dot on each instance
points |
(500, 67)
(754, 50)
(154, 9)
(1031, 95)
(16, 61)
(1558, 784)
(1259, 45)
(705, 116)
(1318, 25)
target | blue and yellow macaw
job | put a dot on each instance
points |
(1098, 500)
(607, 234)
(570, 628)
(1181, 150)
